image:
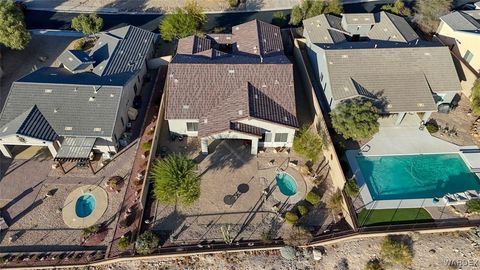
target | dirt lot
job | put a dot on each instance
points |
(16, 64)
(431, 251)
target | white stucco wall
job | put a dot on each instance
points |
(272, 128)
(179, 126)
(27, 141)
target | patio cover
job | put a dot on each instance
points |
(75, 148)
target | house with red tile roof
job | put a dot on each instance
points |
(233, 86)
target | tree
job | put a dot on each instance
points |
(398, 8)
(355, 118)
(88, 24)
(147, 243)
(312, 8)
(351, 187)
(396, 252)
(335, 201)
(428, 12)
(13, 32)
(183, 22)
(308, 143)
(279, 19)
(473, 206)
(475, 98)
(175, 179)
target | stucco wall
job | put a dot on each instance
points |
(179, 126)
(272, 128)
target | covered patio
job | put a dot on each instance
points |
(77, 150)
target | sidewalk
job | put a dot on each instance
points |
(152, 6)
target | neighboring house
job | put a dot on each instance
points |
(233, 86)
(379, 57)
(460, 30)
(83, 105)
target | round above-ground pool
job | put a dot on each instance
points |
(286, 183)
(85, 205)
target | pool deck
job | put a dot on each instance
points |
(69, 213)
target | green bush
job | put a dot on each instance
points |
(90, 230)
(291, 217)
(374, 264)
(431, 127)
(308, 143)
(335, 201)
(313, 198)
(79, 44)
(146, 146)
(475, 103)
(396, 252)
(473, 205)
(351, 187)
(147, 243)
(233, 3)
(303, 210)
(123, 243)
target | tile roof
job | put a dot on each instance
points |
(75, 60)
(405, 77)
(30, 123)
(327, 29)
(221, 90)
(463, 20)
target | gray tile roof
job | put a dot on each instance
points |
(71, 110)
(462, 20)
(405, 77)
(76, 148)
(31, 123)
(221, 90)
(75, 60)
(122, 50)
(327, 29)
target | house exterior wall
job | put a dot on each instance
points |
(273, 129)
(229, 135)
(179, 126)
(27, 141)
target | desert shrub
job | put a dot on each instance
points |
(90, 230)
(396, 252)
(308, 143)
(335, 201)
(475, 98)
(351, 187)
(374, 264)
(297, 236)
(473, 205)
(233, 3)
(123, 243)
(79, 44)
(146, 146)
(428, 12)
(288, 253)
(291, 217)
(147, 243)
(313, 198)
(303, 210)
(431, 127)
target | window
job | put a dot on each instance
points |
(468, 56)
(192, 126)
(281, 137)
(266, 137)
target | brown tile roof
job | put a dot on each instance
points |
(221, 90)
(193, 45)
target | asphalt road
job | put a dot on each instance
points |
(61, 20)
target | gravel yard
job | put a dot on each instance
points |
(431, 251)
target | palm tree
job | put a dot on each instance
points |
(175, 180)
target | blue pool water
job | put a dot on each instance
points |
(416, 176)
(85, 205)
(286, 184)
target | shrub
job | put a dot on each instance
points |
(123, 243)
(313, 198)
(398, 8)
(233, 3)
(90, 230)
(79, 44)
(183, 22)
(428, 12)
(297, 236)
(279, 19)
(335, 201)
(312, 8)
(475, 97)
(374, 264)
(147, 243)
(473, 206)
(291, 217)
(146, 146)
(303, 210)
(87, 23)
(288, 253)
(308, 143)
(431, 127)
(396, 252)
(351, 187)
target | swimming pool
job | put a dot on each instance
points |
(85, 205)
(287, 184)
(416, 176)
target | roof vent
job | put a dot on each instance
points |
(185, 107)
(205, 120)
(264, 86)
(256, 96)
(344, 56)
(277, 82)
(5, 129)
(75, 89)
(285, 119)
(240, 112)
(237, 28)
(48, 90)
(346, 89)
(420, 105)
(68, 128)
(231, 71)
(427, 53)
(389, 106)
(91, 99)
(175, 80)
(97, 129)
(55, 110)
(228, 38)
(70, 59)
(112, 95)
